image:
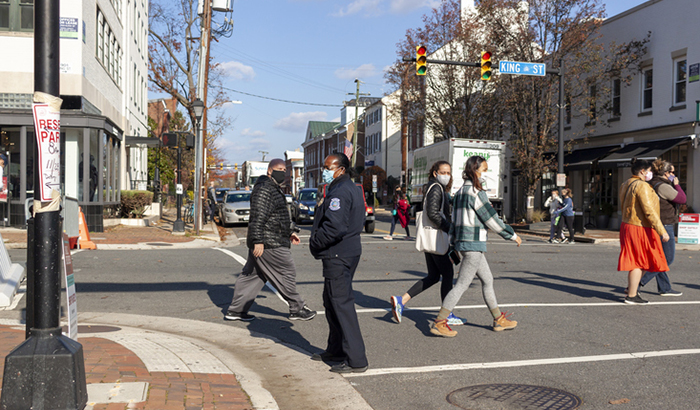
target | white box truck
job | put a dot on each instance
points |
(251, 171)
(456, 151)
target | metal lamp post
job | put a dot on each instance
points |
(198, 107)
(179, 224)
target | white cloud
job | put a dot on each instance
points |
(357, 6)
(373, 8)
(363, 71)
(407, 6)
(297, 121)
(238, 70)
(250, 133)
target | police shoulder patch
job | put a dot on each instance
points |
(335, 204)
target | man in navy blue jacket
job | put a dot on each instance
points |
(335, 240)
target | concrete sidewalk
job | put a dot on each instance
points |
(156, 236)
(139, 362)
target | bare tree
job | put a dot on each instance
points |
(173, 57)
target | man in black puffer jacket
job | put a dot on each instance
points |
(269, 238)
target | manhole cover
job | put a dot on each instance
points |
(512, 397)
(159, 244)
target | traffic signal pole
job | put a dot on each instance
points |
(47, 369)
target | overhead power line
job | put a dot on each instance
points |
(280, 100)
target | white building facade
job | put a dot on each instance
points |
(103, 72)
(654, 117)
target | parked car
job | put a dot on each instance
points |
(304, 205)
(235, 208)
(369, 211)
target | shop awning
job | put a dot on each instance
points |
(649, 150)
(584, 158)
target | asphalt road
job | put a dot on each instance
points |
(574, 332)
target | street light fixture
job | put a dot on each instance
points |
(198, 107)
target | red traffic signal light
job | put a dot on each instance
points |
(486, 65)
(421, 60)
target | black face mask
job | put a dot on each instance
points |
(278, 176)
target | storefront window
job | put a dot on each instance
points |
(10, 149)
(94, 156)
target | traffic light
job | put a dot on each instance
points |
(421, 60)
(170, 139)
(189, 141)
(486, 65)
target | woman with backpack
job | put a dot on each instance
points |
(671, 197)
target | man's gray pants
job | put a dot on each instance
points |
(275, 266)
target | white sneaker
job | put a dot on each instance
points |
(388, 238)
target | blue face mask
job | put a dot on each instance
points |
(328, 176)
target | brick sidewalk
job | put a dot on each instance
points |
(110, 362)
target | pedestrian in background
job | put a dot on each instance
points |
(471, 216)
(211, 195)
(335, 239)
(438, 207)
(641, 230)
(554, 203)
(566, 216)
(269, 238)
(671, 197)
(400, 213)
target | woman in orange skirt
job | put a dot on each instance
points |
(641, 231)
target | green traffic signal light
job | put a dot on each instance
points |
(485, 65)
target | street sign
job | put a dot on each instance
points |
(178, 189)
(516, 67)
(561, 179)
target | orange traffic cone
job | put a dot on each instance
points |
(85, 242)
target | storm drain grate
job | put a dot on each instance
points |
(159, 244)
(512, 397)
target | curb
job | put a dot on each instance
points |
(275, 375)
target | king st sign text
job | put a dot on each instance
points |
(516, 67)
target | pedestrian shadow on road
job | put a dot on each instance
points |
(566, 284)
(281, 331)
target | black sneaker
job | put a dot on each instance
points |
(245, 317)
(671, 292)
(345, 368)
(637, 300)
(304, 314)
(565, 240)
(327, 357)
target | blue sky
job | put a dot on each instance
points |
(310, 51)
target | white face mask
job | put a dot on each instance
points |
(443, 179)
(649, 175)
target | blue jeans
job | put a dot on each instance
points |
(552, 226)
(663, 283)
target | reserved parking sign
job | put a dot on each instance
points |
(689, 228)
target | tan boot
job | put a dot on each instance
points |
(502, 323)
(441, 328)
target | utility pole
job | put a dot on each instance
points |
(354, 136)
(202, 79)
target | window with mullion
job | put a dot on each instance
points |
(680, 80)
(647, 88)
(616, 87)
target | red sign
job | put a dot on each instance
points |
(689, 218)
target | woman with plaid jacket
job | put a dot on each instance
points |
(472, 214)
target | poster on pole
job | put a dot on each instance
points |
(70, 290)
(47, 126)
(689, 228)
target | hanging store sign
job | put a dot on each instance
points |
(47, 126)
